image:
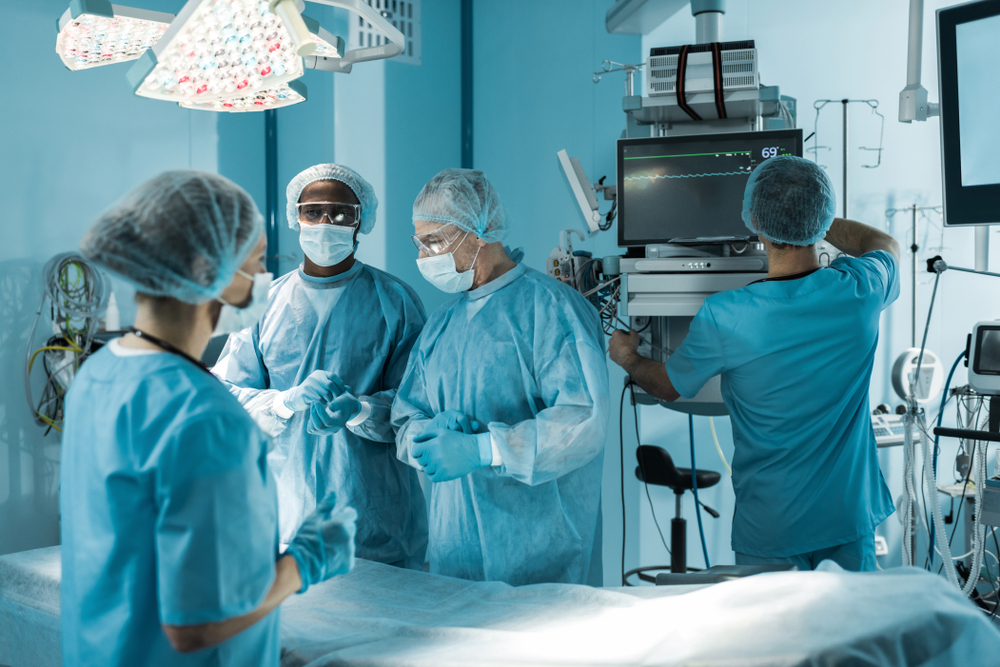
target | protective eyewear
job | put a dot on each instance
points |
(337, 213)
(438, 241)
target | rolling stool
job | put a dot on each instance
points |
(656, 467)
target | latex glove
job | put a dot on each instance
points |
(332, 417)
(319, 387)
(453, 420)
(447, 455)
(324, 545)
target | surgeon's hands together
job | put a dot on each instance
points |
(453, 420)
(447, 455)
(332, 417)
(319, 387)
(324, 546)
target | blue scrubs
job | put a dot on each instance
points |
(524, 356)
(360, 324)
(169, 514)
(796, 359)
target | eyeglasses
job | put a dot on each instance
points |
(436, 242)
(338, 213)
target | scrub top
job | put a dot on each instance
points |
(361, 325)
(169, 514)
(796, 359)
(523, 355)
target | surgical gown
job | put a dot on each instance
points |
(524, 356)
(360, 324)
(169, 514)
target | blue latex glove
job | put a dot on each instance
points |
(453, 420)
(332, 417)
(319, 387)
(447, 455)
(324, 545)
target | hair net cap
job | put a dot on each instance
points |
(333, 172)
(466, 199)
(790, 200)
(182, 235)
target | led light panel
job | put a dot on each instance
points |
(215, 50)
(97, 33)
(328, 45)
(284, 95)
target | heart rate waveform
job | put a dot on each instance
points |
(657, 176)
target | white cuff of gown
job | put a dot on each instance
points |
(359, 419)
(280, 408)
(497, 459)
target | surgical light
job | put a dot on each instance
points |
(218, 49)
(95, 32)
(284, 95)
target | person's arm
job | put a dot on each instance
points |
(648, 374)
(241, 368)
(855, 238)
(190, 638)
(411, 413)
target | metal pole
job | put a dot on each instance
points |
(271, 187)
(467, 83)
(913, 253)
(844, 102)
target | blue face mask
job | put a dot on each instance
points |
(327, 245)
(440, 271)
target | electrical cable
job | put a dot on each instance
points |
(694, 480)
(718, 447)
(621, 458)
(937, 440)
(645, 482)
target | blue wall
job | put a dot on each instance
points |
(71, 143)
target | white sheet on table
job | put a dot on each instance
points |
(380, 616)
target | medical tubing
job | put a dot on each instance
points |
(694, 485)
(935, 501)
(937, 439)
(718, 447)
(909, 496)
(978, 535)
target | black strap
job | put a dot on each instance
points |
(720, 102)
(167, 347)
(682, 62)
(794, 276)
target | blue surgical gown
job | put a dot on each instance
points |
(796, 359)
(360, 324)
(169, 514)
(524, 356)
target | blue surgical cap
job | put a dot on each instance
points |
(182, 235)
(333, 172)
(466, 199)
(789, 200)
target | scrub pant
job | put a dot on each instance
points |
(858, 556)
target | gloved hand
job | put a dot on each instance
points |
(453, 420)
(447, 455)
(324, 545)
(332, 417)
(319, 387)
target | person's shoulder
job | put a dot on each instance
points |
(392, 285)
(882, 258)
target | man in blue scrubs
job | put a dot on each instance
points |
(795, 352)
(320, 370)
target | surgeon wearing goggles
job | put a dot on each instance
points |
(504, 403)
(320, 370)
(795, 352)
(168, 508)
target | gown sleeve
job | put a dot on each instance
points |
(242, 369)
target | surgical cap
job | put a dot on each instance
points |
(790, 200)
(466, 199)
(333, 172)
(182, 235)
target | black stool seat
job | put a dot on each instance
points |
(656, 467)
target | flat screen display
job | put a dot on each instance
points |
(689, 189)
(987, 355)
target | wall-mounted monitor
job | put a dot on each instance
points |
(968, 57)
(689, 189)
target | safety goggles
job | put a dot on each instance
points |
(438, 241)
(337, 213)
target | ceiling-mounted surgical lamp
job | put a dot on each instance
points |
(222, 55)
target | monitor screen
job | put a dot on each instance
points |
(987, 352)
(690, 188)
(968, 49)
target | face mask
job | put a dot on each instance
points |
(326, 245)
(441, 272)
(233, 319)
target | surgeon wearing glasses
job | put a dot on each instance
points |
(320, 370)
(504, 404)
